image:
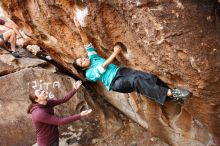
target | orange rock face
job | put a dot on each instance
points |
(171, 39)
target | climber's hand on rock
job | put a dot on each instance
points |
(77, 85)
(117, 49)
(86, 112)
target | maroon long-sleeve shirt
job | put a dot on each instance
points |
(2, 22)
(46, 123)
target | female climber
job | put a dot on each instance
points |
(43, 118)
(120, 79)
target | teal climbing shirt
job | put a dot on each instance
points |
(96, 72)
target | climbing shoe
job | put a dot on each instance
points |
(178, 93)
(16, 54)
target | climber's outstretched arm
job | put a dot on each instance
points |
(83, 35)
(117, 50)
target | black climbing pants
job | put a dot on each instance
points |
(128, 80)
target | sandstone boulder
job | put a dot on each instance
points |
(171, 39)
